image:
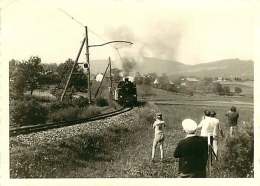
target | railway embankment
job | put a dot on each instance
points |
(72, 151)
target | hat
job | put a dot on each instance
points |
(189, 125)
(207, 112)
(158, 114)
(233, 109)
(213, 113)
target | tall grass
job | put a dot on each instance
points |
(235, 154)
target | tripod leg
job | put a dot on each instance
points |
(209, 161)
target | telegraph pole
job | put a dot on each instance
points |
(71, 71)
(88, 70)
(87, 55)
(110, 77)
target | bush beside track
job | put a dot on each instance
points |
(65, 151)
(29, 111)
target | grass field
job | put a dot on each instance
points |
(135, 158)
(126, 151)
(159, 94)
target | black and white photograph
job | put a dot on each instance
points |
(129, 89)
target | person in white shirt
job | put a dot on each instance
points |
(216, 131)
(207, 126)
(210, 128)
(158, 126)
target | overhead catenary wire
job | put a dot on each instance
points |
(90, 30)
(70, 16)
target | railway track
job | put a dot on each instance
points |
(47, 126)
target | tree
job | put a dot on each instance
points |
(50, 75)
(238, 90)
(17, 79)
(208, 80)
(226, 90)
(147, 80)
(78, 79)
(153, 76)
(33, 71)
(163, 80)
(218, 89)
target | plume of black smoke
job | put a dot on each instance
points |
(161, 41)
(128, 65)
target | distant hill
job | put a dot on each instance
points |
(226, 68)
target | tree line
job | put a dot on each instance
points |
(31, 74)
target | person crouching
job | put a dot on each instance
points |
(158, 126)
(192, 152)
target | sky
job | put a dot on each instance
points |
(187, 31)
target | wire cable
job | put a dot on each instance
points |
(90, 30)
(67, 14)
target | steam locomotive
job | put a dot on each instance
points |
(125, 93)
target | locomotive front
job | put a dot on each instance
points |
(126, 93)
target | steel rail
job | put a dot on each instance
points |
(43, 127)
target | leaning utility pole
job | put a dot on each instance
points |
(104, 76)
(71, 71)
(87, 60)
(87, 56)
(110, 77)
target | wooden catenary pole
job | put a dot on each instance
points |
(87, 59)
(74, 64)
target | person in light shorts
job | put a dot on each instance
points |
(216, 131)
(158, 126)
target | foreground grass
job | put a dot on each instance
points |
(114, 152)
(119, 151)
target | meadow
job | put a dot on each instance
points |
(125, 150)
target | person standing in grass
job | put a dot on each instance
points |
(217, 129)
(158, 126)
(192, 152)
(206, 126)
(232, 116)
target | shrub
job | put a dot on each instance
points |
(80, 102)
(238, 90)
(89, 111)
(101, 102)
(27, 112)
(57, 105)
(40, 98)
(146, 115)
(65, 114)
(238, 153)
